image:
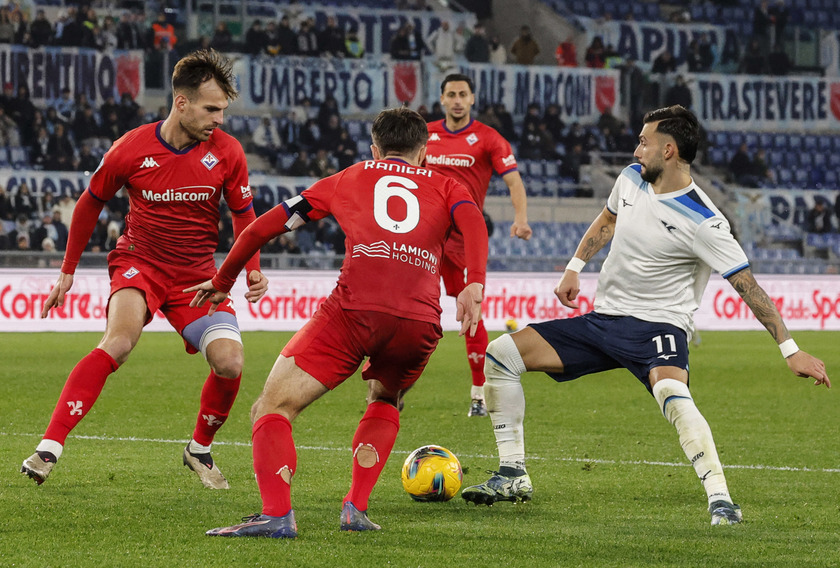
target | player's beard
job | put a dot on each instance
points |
(651, 174)
(195, 131)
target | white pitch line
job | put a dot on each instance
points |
(530, 457)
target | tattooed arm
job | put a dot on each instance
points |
(599, 233)
(802, 364)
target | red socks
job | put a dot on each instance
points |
(275, 457)
(372, 445)
(275, 462)
(217, 398)
(80, 392)
(476, 348)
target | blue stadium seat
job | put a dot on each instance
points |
(805, 159)
(824, 143)
(551, 169)
(784, 176)
(4, 157)
(751, 138)
(809, 142)
(765, 139)
(831, 179)
(801, 177)
(721, 139)
(794, 142)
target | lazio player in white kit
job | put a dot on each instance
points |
(667, 237)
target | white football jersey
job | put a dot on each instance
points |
(663, 252)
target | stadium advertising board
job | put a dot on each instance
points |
(581, 93)
(358, 85)
(766, 103)
(645, 41)
(807, 302)
(46, 71)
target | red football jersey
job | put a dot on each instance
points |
(174, 195)
(469, 155)
(396, 218)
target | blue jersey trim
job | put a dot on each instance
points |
(166, 145)
(452, 209)
(250, 206)
(735, 270)
(693, 202)
(96, 197)
(634, 173)
(506, 172)
(684, 209)
(460, 129)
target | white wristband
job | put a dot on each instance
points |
(575, 264)
(788, 348)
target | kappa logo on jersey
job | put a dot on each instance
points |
(131, 273)
(472, 139)
(378, 249)
(670, 228)
(509, 160)
(246, 191)
(149, 163)
(434, 137)
(456, 160)
(209, 161)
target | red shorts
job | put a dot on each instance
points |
(335, 341)
(163, 286)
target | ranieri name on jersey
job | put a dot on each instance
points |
(396, 167)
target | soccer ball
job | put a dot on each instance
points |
(511, 325)
(432, 473)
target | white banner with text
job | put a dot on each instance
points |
(806, 302)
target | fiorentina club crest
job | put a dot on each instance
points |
(472, 139)
(209, 161)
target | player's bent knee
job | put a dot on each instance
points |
(503, 361)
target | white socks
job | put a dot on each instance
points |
(506, 400)
(196, 448)
(695, 436)
(477, 393)
(50, 446)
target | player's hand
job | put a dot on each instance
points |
(521, 230)
(257, 286)
(804, 365)
(204, 292)
(468, 305)
(568, 289)
(56, 297)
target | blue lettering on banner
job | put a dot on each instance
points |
(46, 71)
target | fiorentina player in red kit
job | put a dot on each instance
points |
(386, 306)
(469, 151)
(175, 172)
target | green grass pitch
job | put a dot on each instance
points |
(612, 486)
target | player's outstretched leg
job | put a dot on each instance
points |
(696, 440)
(83, 386)
(506, 404)
(261, 525)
